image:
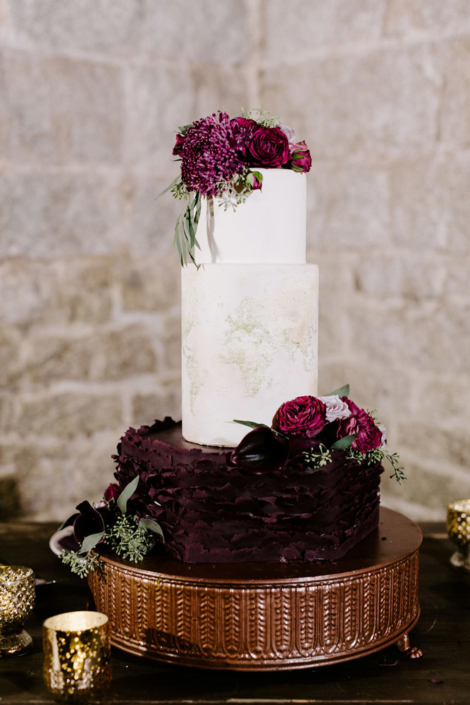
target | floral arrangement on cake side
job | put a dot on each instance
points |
(219, 158)
(332, 422)
(329, 438)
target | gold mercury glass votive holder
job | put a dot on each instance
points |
(77, 656)
(17, 598)
(458, 530)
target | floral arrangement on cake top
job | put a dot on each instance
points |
(219, 158)
(334, 422)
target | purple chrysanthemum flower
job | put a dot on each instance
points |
(210, 154)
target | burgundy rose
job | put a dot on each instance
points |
(112, 492)
(300, 157)
(369, 434)
(177, 149)
(268, 147)
(304, 416)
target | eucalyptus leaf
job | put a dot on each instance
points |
(152, 526)
(250, 424)
(186, 242)
(341, 392)
(127, 493)
(343, 443)
(90, 542)
(197, 214)
(190, 226)
(198, 207)
(177, 240)
(253, 424)
(168, 188)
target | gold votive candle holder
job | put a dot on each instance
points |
(77, 656)
(458, 531)
(17, 598)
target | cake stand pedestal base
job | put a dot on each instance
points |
(267, 616)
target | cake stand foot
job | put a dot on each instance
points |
(409, 651)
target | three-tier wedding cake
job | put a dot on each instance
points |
(303, 483)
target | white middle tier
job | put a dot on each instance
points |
(249, 344)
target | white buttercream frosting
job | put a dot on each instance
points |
(270, 227)
(249, 344)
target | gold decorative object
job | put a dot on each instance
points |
(77, 656)
(267, 616)
(17, 597)
(458, 530)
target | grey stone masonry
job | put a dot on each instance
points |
(91, 93)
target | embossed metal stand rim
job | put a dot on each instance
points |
(266, 616)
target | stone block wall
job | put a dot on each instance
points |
(90, 95)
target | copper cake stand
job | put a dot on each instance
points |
(267, 616)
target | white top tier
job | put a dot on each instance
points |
(269, 228)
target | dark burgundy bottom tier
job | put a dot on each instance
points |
(213, 511)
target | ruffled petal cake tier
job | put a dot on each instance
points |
(213, 511)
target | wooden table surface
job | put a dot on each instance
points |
(441, 676)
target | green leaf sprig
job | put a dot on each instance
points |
(185, 230)
(317, 458)
(129, 537)
(341, 392)
(378, 455)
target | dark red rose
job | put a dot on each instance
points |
(268, 147)
(304, 416)
(177, 149)
(243, 126)
(112, 492)
(369, 434)
(300, 159)
(242, 131)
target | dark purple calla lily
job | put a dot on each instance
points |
(89, 521)
(261, 451)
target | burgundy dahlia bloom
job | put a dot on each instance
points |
(209, 154)
(269, 148)
(303, 416)
(369, 434)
